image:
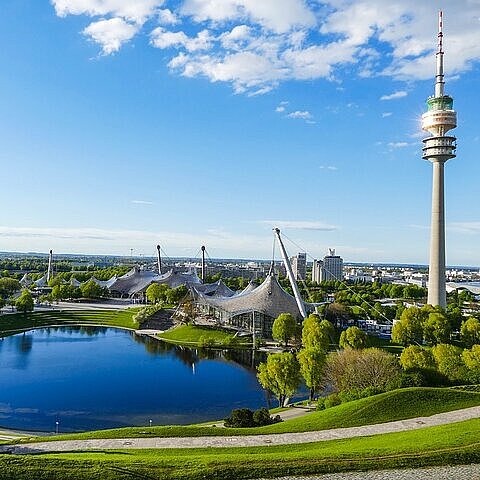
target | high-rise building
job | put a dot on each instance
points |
(299, 266)
(331, 267)
(317, 271)
(439, 118)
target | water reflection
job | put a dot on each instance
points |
(90, 377)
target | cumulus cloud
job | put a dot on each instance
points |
(394, 95)
(255, 45)
(110, 34)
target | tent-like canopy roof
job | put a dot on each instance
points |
(269, 298)
(217, 289)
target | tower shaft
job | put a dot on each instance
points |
(436, 281)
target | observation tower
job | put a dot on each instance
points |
(439, 118)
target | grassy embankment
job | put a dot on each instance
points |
(385, 407)
(444, 445)
(17, 322)
(195, 335)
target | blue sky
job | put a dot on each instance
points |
(125, 124)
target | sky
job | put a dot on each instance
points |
(124, 124)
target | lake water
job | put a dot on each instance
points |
(91, 378)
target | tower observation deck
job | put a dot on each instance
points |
(439, 118)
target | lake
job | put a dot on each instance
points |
(90, 378)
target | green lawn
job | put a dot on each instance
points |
(390, 406)
(10, 323)
(191, 334)
(450, 444)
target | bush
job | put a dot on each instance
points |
(244, 417)
(145, 313)
(355, 394)
(321, 403)
(332, 400)
(407, 379)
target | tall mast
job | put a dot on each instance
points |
(288, 268)
(439, 118)
(50, 266)
(204, 266)
(159, 260)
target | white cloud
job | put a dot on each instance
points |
(304, 115)
(280, 109)
(277, 15)
(142, 202)
(394, 95)
(330, 168)
(162, 38)
(136, 11)
(398, 144)
(465, 227)
(256, 44)
(299, 225)
(386, 114)
(167, 17)
(110, 34)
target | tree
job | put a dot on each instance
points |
(90, 289)
(9, 286)
(470, 331)
(24, 302)
(156, 292)
(410, 327)
(472, 361)
(280, 374)
(359, 369)
(312, 361)
(436, 328)
(353, 337)
(415, 356)
(284, 327)
(449, 361)
(315, 333)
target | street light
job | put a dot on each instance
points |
(57, 423)
(150, 422)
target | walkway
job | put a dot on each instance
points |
(246, 440)
(464, 472)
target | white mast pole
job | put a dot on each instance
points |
(288, 267)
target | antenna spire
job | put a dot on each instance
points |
(440, 83)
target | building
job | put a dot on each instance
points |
(439, 118)
(299, 266)
(317, 271)
(332, 267)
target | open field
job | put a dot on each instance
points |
(17, 322)
(386, 407)
(449, 444)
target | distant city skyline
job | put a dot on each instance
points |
(190, 122)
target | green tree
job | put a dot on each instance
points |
(311, 361)
(353, 337)
(415, 356)
(449, 361)
(436, 328)
(24, 302)
(470, 331)
(315, 333)
(8, 286)
(472, 361)
(280, 374)
(156, 292)
(284, 327)
(409, 329)
(91, 290)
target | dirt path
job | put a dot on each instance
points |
(247, 440)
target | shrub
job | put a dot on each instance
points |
(355, 394)
(206, 342)
(244, 417)
(407, 379)
(417, 357)
(321, 403)
(332, 400)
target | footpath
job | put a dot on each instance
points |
(246, 440)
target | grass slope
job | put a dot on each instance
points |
(390, 406)
(15, 322)
(191, 334)
(450, 444)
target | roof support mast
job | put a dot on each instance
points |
(288, 268)
(159, 260)
(204, 266)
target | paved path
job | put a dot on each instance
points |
(457, 472)
(245, 440)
